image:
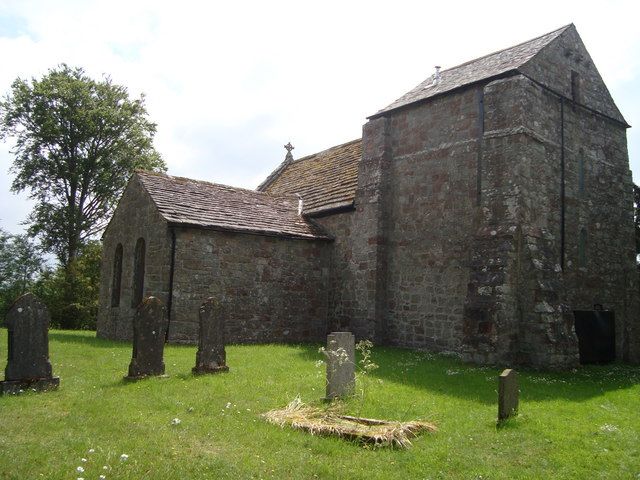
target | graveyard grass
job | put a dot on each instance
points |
(571, 425)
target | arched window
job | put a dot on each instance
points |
(117, 277)
(582, 248)
(138, 273)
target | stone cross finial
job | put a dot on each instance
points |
(289, 156)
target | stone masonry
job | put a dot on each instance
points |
(475, 215)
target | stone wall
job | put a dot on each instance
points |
(273, 289)
(343, 303)
(463, 230)
(136, 217)
(432, 214)
(585, 256)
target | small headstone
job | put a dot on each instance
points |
(508, 394)
(28, 365)
(149, 329)
(211, 356)
(341, 373)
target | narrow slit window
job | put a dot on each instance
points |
(582, 248)
(116, 283)
(138, 273)
(575, 86)
(581, 172)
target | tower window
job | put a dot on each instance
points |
(582, 248)
(581, 171)
(575, 86)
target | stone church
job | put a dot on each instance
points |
(487, 212)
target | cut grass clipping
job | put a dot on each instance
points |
(320, 421)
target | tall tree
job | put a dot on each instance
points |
(77, 141)
(20, 264)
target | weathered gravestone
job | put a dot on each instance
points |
(507, 394)
(149, 329)
(211, 356)
(28, 363)
(340, 359)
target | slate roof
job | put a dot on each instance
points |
(492, 65)
(195, 203)
(326, 180)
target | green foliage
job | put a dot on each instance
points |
(572, 425)
(20, 263)
(77, 141)
(71, 293)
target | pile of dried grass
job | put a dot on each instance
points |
(319, 421)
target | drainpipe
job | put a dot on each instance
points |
(562, 186)
(171, 270)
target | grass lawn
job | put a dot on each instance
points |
(582, 425)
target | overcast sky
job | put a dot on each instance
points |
(229, 83)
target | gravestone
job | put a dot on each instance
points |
(211, 356)
(508, 394)
(149, 329)
(28, 365)
(340, 359)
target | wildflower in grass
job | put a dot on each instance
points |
(79, 469)
(102, 477)
(124, 457)
(105, 467)
(228, 405)
(176, 421)
(83, 459)
(92, 450)
(364, 347)
(608, 428)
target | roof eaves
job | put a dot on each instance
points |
(254, 231)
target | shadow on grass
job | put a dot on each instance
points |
(84, 338)
(447, 375)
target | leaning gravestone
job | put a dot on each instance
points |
(149, 328)
(211, 356)
(340, 359)
(507, 394)
(28, 363)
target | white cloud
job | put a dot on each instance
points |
(230, 82)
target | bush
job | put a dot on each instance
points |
(71, 294)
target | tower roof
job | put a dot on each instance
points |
(489, 66)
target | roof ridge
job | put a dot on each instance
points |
(559, 31)
(215, 184)
(306, 157)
